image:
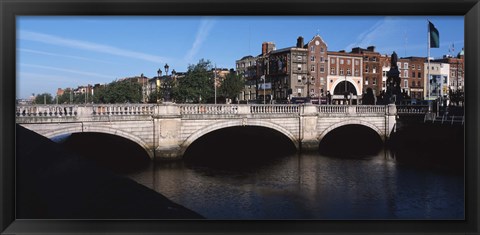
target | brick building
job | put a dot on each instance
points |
(412, 76)
(345, 75)
(372, 68)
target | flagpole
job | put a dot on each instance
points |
(428, 58)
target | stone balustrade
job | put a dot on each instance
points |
(46, 110)
(273, 108)
(332, 109)
(370, 109)
(123, 109)
(208, 109)
(60, 111)
(412, 109)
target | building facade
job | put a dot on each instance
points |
(345, 76)
(317, 66)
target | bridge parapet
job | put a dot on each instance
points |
(412, 109)
(208, 109)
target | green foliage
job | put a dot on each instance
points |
(44, 98)
(231, 86)
(197, 85)
(119, 92)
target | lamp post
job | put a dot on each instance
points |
(159, 73)
(166, 69)
(215, 82)
(307, 82)
(263, 78)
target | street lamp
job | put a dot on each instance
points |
(263, 78)
(157, 88)
(166, 69)
(308, 83)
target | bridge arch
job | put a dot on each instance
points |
(221, 125)
(380, 133)
(104, 130)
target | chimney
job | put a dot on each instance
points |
(371, 48)
(300, 42)
(264, 48)
(267, 47)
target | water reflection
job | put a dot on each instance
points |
(311, 186)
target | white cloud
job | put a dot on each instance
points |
(61, 55)
(90, 46)
(67, 70)
(372, 36)
(202, 34)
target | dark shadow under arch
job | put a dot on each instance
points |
(352, 140)
(238, 147)
(113, 152)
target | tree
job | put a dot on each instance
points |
(118, 92)
(232, 85)
(44, 98)
(197, 85)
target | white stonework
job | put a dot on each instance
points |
(166, 131)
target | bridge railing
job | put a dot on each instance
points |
(208, 109)
(332, 109)
(273, 108)
(412, 109)
(122, 109)
(46, 110)
(370, 109)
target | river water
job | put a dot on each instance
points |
(311, 186)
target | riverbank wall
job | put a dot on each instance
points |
(429, 144)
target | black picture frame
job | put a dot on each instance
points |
(12, 8)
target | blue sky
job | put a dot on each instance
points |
(64, 51)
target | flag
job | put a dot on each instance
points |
(434, 36)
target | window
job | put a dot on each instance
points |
(322, 59)
(413, 74)
(419, 75)
(405, 73)
(374, 81)
(322, 68)
(349, 62)
(399, 65)
(357, 62)
(332, 61)
(299, 67)
(374, 70)
(384, 73)
(405, 65)
(332, 70)
(419, 67)
(299, 78)
(366, 81)
(365, 58)
(322, 80)
(357, 72)
(374, 58)
(322, 49)
(413, 83)
(312, 48)
(312, 58)
(299, 57)
(413, 66)
(349, 72)
(341, 61)
(341, 71)
(405, 83)
(312, 68)
(366, 69)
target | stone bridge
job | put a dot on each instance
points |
(166, 130)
